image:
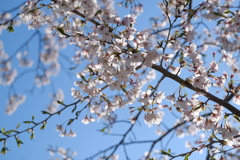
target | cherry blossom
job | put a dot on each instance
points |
(236, 99)
(115, 85)
(145, 98)
(86, 120)
(13, 103)
(71, 134)
(201, 82)
(153, 118)
(59, 128)
(159, 97)
(228, 132)
(171, 98)
(76, 94)
(64, 133)
(119, 66)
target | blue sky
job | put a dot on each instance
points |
(89, 140)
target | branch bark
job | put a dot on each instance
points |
(211, 97)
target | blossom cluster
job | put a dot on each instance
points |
(63, 132)
(114, 59)
(62, 152)
(13, 103)
(122, 61)
(7, 73)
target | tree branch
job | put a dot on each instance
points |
(211, 97)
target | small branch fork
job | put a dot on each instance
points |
(154, 142)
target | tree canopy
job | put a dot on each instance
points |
(142, 89)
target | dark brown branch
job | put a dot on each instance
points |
(211, 97)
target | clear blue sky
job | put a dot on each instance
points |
(88, 141)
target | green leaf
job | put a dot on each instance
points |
(45, 112)
(77, 113)
(181, 58)
(4, 150)
(70, 121)
(10, 29)
(105, 99)
(126, 4)
(43, 126)
(33, 10)
(2, 139)
(18, 126)
(226, 116)
(32, 136)
(33, 117)
(236, 117)
(28, 122)
(124, 90)
(181, 34)
(61, 30)
(185, 95)
(178, 109)
(19, 142)
(90, 69)
(197, 108)
(9, 132)
(160, 43)
(228, 11)
(186, 157)
(5, 142)
(218, 14)
(165, 153)
(212, 158)
(72, 68)
(83, 78)
(98, 12)
(220, 21)
(3, 129)
(89, 79)
(75, 107)
(103, 130)
(169, 150)
(150, 86)
(60, 102)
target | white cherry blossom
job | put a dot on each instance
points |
(153, 118)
